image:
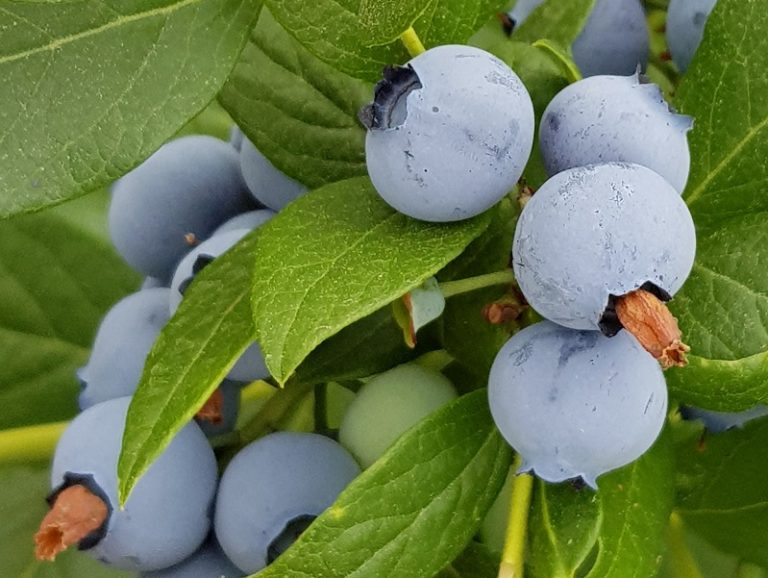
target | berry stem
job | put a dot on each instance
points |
(681, 561)
(321, 407)
(273, 411)
(412, 42)
(30, 443)
(513, 557)
(451, 288)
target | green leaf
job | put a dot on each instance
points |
(555, 20)
(476, 561)
(723, 490)
(466, 334)
(723, 304)
(91, 89)
(57, 281)
(635, 504)
(22, 506)
(564, 527)
(455, 21)
(385, 20)
(371, 345)
(334, 256)
(298, 111)
(348, 44)
(415, 509)
(618, 531)
(192, 355)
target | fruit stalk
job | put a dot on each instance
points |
(451, 288)
(30, 443)
(681, 561)
(513, 556)
(412, 42)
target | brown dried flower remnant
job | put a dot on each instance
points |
(647, 318)
(75, 513)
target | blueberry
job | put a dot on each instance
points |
(271, 491)
(685, 28)
(197, 259)
(521, 10)
(576, 403)
(227, 401)
(388, 405)
(719, 421)
(614, 39)
(236, 137)
(167, 516)
(449, 133)
(178, 196)
(152, 283)
(615, 118)
(123, 341)
(251, 365)
(208, 562)
(268, 185)
(249, 220)
(597, 232)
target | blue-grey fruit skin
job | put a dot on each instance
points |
(188, 187)
(614, 39)
(720, 421)
(123, 341)
(152, 283)
(522, 9)
(230, 391)
(462, 142)
(270, 483)
(249, 220)
(596, 231)
(167, 516)
(268, 185)
(208, 562)
(615, 118)
(251, 365)
(236, 137)
(576, 403)
(198, 257)
(685, 28)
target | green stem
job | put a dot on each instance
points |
(451, 288)
(321, 407)
(513, 556)
(273, 411)
(412, 42)
(681, 562)
(31, 443)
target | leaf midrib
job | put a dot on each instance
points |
(59, 42)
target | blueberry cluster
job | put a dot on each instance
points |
(598, 250)
(170, 217)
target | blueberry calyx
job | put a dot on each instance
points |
(87, 481)
(288, 536)
(609, 323)
(388, 109)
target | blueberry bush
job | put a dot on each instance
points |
(383, 288)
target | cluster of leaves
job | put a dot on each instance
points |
(92, 87)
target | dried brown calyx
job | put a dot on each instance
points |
(75, 514)
(213, 409)
(646, 317)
